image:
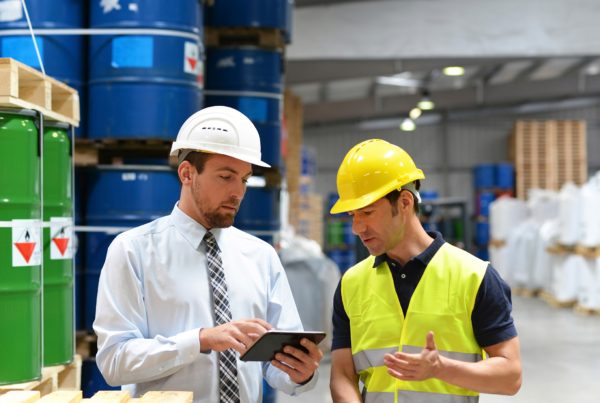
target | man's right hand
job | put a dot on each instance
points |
(238, 335)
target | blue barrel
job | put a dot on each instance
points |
(483, 253)
(429, 194)
(92, 380)
(259, 213)
(63, 56)
(343, 258)
(253, 14)
(249, 80)
(146, 85)
(505, 176)
(485, 175)
(484, 199)
(151, 192)
(482, 233)
(349, 237)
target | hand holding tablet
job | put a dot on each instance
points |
(273, 341)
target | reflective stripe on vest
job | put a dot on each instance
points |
(374, 358)
(417, 397)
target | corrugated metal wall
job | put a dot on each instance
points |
(446, 151)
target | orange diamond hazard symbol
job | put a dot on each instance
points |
(61, 244)
(192, 62)
(26, 249)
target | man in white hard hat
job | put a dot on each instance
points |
(178, 297)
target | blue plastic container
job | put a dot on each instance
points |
(63, 56)
(483, 253)
(343, 258)
(505, 176)
(428, 194)
(484, 199)
(254, 14)
(92, 380)
(485, 175)
(249, 80)
(146, 85)
(482, 233)
(259, 212)
(151, 192)
(349, 237)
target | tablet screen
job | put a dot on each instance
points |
(273, 341)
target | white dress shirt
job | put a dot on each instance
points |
(154, 297)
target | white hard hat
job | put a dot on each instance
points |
(220, 130)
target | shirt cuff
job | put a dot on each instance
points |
(188, 344)
(308, 385)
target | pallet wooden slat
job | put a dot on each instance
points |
(63, 396)
(31, 396)
(266, 38)
(167, 397)
(22, 86)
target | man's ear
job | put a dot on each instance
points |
(406, 200)
(185, 172)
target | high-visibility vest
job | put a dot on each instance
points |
(442, 302)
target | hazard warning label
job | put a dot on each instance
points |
(26, 243)
(61, 238)
(191, 59)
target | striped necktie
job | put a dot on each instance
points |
(228, 383)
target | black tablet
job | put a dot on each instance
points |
(273, 341)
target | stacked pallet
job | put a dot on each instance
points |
(54, 378)
(99, 397)
(547, 154)
(24, 87)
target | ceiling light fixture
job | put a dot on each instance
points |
(454, 71)
(408, 125)
(425, 104)
(415, 113)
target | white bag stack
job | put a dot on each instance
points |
(570, 214)
(505, 214)
(590, 213)
(567, 278)
(544, 261)
(589, 292)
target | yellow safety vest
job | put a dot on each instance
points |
(442, 301)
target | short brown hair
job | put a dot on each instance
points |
(394, 195)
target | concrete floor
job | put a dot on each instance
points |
(560, 353)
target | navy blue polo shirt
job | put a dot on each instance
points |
(491, 317)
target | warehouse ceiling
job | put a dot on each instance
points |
(347, 87)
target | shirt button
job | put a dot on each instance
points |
(403, 275)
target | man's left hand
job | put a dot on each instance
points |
(300, 366)
(415, 367)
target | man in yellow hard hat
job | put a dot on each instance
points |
(419, 320)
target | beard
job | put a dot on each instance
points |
(215, 219)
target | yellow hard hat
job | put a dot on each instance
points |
(371, 170)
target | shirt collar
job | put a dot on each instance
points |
(424, 257)
(190, 229)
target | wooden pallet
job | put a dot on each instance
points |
(55, 378)
(547, 154)
(588, 252)
(554, 302)
(22, 86)
(560, 249)
(90, 152)
(113, 396)
(266, 38)
(497, 243)
(585, 311)
(525, 292)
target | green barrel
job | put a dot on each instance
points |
(20, 286)
(335, 233)
(58, 259)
